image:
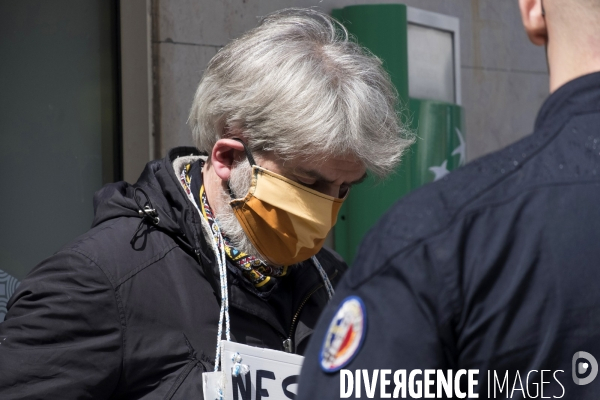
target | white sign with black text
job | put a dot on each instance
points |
(261, 373)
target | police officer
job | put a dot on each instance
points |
(493, 269)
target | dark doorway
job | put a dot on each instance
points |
(59, 124)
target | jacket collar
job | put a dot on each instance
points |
(579, 96)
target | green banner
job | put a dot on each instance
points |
(438, 149)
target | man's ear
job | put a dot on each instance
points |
(224, 154)
(534, 21)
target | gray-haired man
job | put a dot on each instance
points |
(288, 117)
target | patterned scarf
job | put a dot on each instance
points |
(254, 269)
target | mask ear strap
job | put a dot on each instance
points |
(543, 10)
(247, 150)
(250, 160)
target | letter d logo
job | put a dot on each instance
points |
(582, 367)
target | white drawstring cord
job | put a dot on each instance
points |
(219, 251)
(328, 285)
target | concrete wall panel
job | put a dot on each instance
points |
(501, 107)
(180, 69)
(214, 21)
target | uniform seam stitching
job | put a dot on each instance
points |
(386, 265)
(147, 263)
(422, 240)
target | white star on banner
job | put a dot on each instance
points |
(440, 171)
(461, 148)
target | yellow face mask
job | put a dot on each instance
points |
(286, 221)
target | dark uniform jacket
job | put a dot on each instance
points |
(495, 267)
(107, 319)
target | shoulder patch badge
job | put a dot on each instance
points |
(345, 335)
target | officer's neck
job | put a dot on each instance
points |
(572, 54)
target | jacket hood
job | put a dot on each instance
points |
(164, 194)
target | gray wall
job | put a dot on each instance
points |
(504, 77)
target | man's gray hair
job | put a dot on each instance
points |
(298, 86)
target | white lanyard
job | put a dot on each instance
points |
(219, 251)
(222, 261)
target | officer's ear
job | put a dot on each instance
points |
(224, 154)
(534, 21)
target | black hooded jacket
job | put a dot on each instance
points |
(108, 317)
